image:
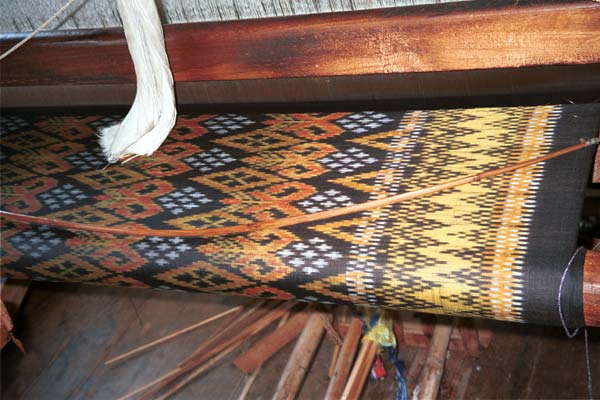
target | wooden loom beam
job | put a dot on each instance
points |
(476, 49)
(591, 288)
(461, 36)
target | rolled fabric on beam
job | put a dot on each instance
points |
(495, 248)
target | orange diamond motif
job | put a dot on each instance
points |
(113, 176)
(204, 277)
(258, 140)
(69, 268)
(237, 179)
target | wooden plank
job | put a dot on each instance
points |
(247, 331)
(478, 88)
(484, 333)
(270, 344)
(252, 378)
(360, 371)
(70, 330)
(299, 362)
(344, 362)
(448, 37)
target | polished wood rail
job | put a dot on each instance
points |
(444, 37)
(591, 288)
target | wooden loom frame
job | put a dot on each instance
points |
(448, 55)
(453, 54)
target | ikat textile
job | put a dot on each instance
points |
(493, 249)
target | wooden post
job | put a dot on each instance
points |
(591, 288)
(297, 366)
(344, 362)
(431, 374)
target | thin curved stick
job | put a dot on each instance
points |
(300, 219)
(172, 336)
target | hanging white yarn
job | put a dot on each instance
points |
(153, 113)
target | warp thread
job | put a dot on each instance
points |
(37, 30)
(569, 334)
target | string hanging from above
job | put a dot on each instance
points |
(153, 113)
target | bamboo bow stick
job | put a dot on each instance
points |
(300, 219)
(172, 336)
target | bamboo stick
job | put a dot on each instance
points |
(195, 360)
(149, 384)
(172, 336)
(299, 361)
(210, 342)
(256, 311)
(245, 333)
(360, 371)
(333, 362)
(431, 374)
(194, 374)
(300, 219)
(248, 385)
(344, 362)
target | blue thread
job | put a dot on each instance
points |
(402, 391)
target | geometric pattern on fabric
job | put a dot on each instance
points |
(478, 250)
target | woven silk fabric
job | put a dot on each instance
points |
(493, 249)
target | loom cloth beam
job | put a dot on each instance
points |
(591, 288)
(493, 249)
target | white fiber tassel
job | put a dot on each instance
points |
(153, 113)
